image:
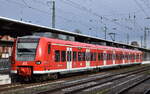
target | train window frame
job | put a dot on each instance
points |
(57, 55)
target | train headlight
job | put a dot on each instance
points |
(38, 62)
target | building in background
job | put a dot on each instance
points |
(5, 51)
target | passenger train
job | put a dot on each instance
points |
(41, 57)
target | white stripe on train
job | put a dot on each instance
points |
(75, 69)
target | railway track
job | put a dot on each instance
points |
(80, 86)
(70, 86)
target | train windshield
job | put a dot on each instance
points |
(26, 49)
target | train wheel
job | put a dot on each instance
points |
(55, 76)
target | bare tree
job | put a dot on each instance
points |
(77, 31)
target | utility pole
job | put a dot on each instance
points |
(127, 38)
(141, 41)
(145, 37)
(54, 35)
(105, 30)
(53, 14)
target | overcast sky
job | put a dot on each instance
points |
(89, 16)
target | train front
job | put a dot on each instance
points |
(23, 57)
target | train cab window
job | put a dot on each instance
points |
(74, 56)
(57, 56)
(63, 56)
(49, 48)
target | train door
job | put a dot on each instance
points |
(104, 58)
(100, 57)
(139, 57)
(49, 56)
(123, 59)
(74, 57)
(81, 57)
(114, 57)
(93, 62)
(117, 57)
(69, 58)
(129, 57)
(120, 57)
(132, 57)
(109, 58)
(87, 58)
(135, 58)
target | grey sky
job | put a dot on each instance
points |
(120, 16)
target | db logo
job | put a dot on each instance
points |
(24, 63)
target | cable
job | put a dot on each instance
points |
(68, 20)
(78, 6)
(27, 6)
(141, 7)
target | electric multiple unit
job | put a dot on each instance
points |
(46, 56)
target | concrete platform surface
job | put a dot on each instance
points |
(5, 79)
(146, 62)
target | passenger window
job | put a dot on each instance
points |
(83, 56)
(94, 57)
(102, 56)
(99, 56)
(57, 56)
(74, 56)
(63, 56)
(91, 57)
(49, 48)
(79, 56)
(69, 56)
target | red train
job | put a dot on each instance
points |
(47, 57)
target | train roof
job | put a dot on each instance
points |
(73, 43)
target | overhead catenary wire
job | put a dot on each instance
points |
(78, 6)
(139, 5)
(24, 4)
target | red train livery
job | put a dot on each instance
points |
(46, 56)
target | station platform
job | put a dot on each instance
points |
(4, 79)
(146, 62)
